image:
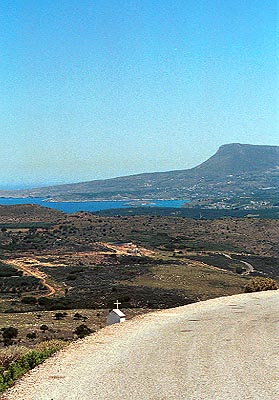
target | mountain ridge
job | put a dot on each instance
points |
(249, 157)
(235, 160)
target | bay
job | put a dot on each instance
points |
(92, 206)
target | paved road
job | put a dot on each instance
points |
(222, 349)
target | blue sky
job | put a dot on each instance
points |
(104, 88)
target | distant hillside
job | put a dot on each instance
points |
(28, 213)
(233, 169)
(239, 158)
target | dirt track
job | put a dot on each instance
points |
(25, 264)
(221, 349)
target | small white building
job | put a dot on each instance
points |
(115, 316)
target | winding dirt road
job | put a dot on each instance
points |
(249, 267)
(221, 349)
(26, 265)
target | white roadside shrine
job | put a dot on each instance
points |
(115, 316)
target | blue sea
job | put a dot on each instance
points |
(92, 206)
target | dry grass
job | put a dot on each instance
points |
(10, 354)
(51, 344)
(194, 279)
(58, 328)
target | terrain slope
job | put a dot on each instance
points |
(234, 167)
(221, 349)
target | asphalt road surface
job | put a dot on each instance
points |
(222, 349)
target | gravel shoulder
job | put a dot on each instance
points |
(220, 349)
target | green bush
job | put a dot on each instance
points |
(259, 284)
(27, 361)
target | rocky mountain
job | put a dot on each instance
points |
(238, 158)
(233, 170)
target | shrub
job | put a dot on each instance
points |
(239, 269)
(71, 277)
(31, 335)
(82, 330)
(54, 344)
(60, 315)
(259, 284)
(44, 328)
(10, 354)
(9, 334)
(28, 361)
(78, 316)
(29, 300)
(45, 301)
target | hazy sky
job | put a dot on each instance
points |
(100, 88)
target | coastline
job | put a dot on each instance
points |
(70, 206)
(105, 200)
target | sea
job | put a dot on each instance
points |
(93, 206)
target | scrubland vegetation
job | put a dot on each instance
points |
(15, 361)
(261, 284)
(60, 274)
